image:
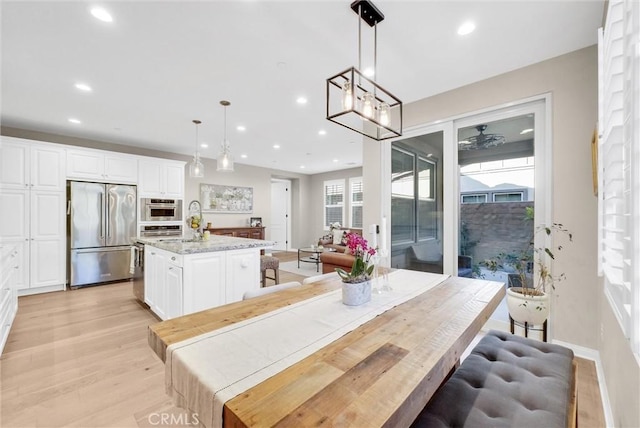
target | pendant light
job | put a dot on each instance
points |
(358, 102)
(196, 168)
(225, 159)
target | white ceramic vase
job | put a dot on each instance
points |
(354, 294)
(526, 308)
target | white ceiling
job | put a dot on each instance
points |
(160, 65)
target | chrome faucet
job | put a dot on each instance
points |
(193, 206)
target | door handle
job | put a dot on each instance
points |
(101, 215)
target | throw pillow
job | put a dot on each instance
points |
(337, 236)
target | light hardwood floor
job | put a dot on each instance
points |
(80, 358)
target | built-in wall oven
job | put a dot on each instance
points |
(160, 230)
(155, 209)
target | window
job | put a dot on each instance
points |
(333, 202)
(355, 190)
(474, 198)
(618, 160)
(508, 197)
(402, 196)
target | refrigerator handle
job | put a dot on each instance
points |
(102, 226)
(69, 207)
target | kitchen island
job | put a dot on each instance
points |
(183, 276)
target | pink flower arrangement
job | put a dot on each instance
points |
(363, 266)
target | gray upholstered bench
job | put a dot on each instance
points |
(507, 381)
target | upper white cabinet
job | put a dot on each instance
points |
(99, 165)
(31, 165)
(159, 178)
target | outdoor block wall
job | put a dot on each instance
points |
(490, 228)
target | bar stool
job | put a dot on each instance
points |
(269, 262)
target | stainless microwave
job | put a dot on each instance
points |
(154, 209)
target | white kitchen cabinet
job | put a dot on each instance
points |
(8, 293)
(204, 281)
(242, 273)
(173, 296)
(163, 283)
(177, 285)
(32, 212)
(34, 221)
(159, 178)
(98, 165)
(155, 280)
(28, 164)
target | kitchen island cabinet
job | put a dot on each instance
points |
(183, 277)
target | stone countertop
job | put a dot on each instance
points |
(186, 246)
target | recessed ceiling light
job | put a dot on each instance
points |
(368, 72)
(204, 145)
(301, 166)
(241, 128)
(335, 160)
(526, 131)
(466, 28)
(322, 132)
(301, 100)
(101, 14)
(83, 87)
(276, 146)
(243, 156)
(74, 120)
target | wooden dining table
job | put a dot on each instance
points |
(381, 373)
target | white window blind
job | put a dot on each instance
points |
(618, 163)
(333, 202)
(356, 201)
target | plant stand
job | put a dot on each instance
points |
(528, 326)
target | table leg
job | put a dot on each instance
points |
(298, 258)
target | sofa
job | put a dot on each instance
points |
(335, 241)
(333, 259)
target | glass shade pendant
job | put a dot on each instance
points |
(347, 96)
(384, 113)
(225, 159)
(196, 168)
(367, 105)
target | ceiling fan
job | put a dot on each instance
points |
(482, 140)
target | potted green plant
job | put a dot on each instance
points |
(356, 285)
(532, 281)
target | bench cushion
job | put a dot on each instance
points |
(507, 381)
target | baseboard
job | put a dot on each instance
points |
(594, 355)
(40, 290)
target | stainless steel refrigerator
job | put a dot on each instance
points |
(101, 225)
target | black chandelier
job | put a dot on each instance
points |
(358, 102)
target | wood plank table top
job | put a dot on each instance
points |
(380, 374)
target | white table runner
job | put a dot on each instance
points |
(203, 372)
